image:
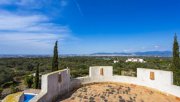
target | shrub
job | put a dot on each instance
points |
(28, 80)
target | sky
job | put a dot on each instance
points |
(88, 26)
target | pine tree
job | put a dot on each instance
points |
(176, 63)
(37, 77)
(55, 58)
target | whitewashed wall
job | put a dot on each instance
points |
(94, 71)
(52, 88)
(161, 77)
(168, 89)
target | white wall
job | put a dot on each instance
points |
(94, 71)
(168, 89)
(52, 88)
(161, 77)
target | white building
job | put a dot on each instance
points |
(115, 61)
(135, 60)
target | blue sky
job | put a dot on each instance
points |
(87, 26)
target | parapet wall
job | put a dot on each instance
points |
(157, 77)
(53, 85)
(100, 71)
(58, 83)
(168, 89)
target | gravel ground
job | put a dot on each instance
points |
(118, 92)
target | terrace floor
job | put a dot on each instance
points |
(118, 92)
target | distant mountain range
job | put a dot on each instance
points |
(147, 53)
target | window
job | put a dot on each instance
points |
(102, 72)
(60, 78)
(152, 76)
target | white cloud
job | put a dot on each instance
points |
(29, 43)
(78, 7)
(156, 46)
(6, 2)
(10, 21)
(29, 37)
(28, 30)
(26, 2)
(32, 23)
(127, 50)
(29, 33)
(143, 48)
(34, 3)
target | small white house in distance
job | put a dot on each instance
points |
(135, 60)
(115, 61)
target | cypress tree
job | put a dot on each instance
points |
(55, 57)
(175, 53)
(37, 77)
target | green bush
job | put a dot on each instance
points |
(14, 89)
(7, 84)
(28, 80)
